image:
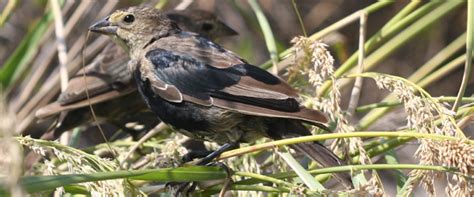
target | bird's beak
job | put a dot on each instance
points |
(228, 31)
(104, 27)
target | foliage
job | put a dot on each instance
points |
(266, 167)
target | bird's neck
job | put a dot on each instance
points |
(138, 48)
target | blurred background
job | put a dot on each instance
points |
(30, 71)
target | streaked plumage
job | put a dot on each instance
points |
(207, 92)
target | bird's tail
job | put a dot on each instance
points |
(289, 128)
(325, 158)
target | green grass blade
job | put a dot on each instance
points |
(76, 189)
(341, 23)
(267, 32)
(469, 47)
(369, 107)
(304, 175)
(183, 174)
(23, 54)
(391, 158)
(386, 38)
(350, 168)
(373, 115)
(7, 11)
(403, 13)
(408, 34)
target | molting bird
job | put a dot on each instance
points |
(207, 92)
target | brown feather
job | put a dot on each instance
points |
(56, 108)
(190, 46)
(110, 66)
(304, 114)
(250, 87)
(106, 70)
(325, 158)
(247, 86)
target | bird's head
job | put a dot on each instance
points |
(201, 22)
(135, 27)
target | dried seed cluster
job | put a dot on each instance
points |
(426, 115)
(321, 69)
(79, 162)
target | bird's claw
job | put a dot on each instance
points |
(187, 188)
(181, 189)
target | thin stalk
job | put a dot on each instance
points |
(443, 71)
(391, 158)
(160, 127)
(402, 38)
(338, 25)
(65, 138)
(267, 33)
(438, 59)
(382, 148)
(380, 38)
(320, 137)
(330, 170)
(300, 19)
(423, 93)
(11, 4)
(383, 167)
(469, 47)
(161, 4)
(368, 107)
(183, 5)
(417, 77)
(355, 95)
(264, 178)
(259, 188)
(408, 9)
(17, 62)
(302, 173)
(60, 39)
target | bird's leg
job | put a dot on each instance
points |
(216, 153)
(228, 181)
(207, 156)
(194, 154)
(186, 188)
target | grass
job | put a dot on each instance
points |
(443, 147)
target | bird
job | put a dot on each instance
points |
(209, 93)
(112, 92)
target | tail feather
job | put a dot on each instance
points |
(324, 157)
(285, 128)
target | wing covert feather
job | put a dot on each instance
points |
(203, 73)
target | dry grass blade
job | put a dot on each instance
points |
(7, 11)
(184, 4)
(400, 39)
(61, 43)
(27, 104)
(146, 137)
(355, 95)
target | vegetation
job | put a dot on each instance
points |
(436, 128)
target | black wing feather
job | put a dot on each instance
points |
(199, 80)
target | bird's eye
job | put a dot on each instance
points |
(207, 26)
(129, 18)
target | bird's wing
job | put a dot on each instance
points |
(206, 74)
(55, 108)
(107, 72)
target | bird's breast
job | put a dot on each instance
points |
(198, 122)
